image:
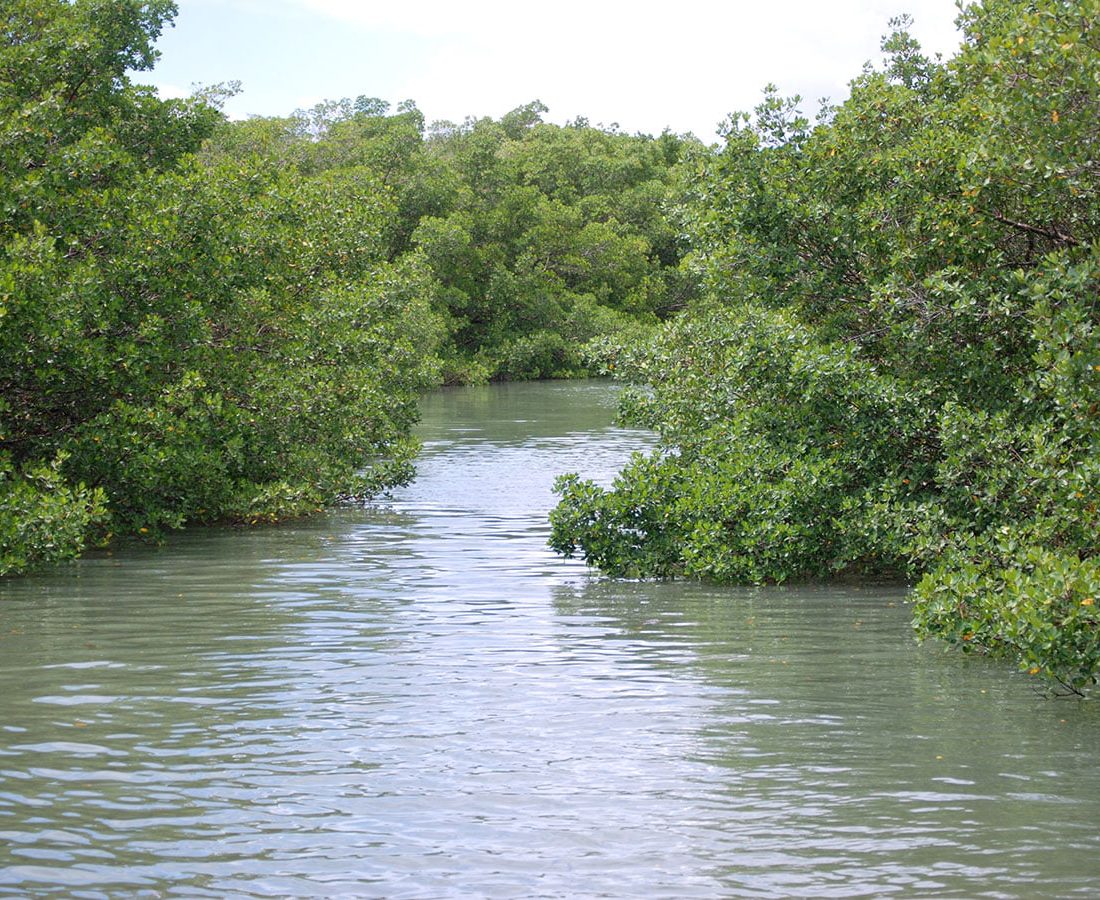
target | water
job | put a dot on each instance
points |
(419, 700)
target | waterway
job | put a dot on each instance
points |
(418, 699)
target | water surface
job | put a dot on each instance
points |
(417, 699)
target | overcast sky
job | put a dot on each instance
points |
(681, 64)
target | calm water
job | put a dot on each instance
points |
(420, 700)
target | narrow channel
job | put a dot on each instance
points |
(418, 699)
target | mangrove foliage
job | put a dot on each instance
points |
(870, 344)
(895, 368)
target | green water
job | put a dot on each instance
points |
(417, 699)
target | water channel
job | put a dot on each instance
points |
(418, 699)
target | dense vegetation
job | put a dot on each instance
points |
(209, 321)
(182, 340)
(540, 237)
(896, 369)
(870, 345)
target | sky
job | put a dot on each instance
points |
(644, 66)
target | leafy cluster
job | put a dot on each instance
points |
(540, 237)
(182, 338)
(203, 320)
(896, 371)
(554, 235)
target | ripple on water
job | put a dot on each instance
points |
(417, 699)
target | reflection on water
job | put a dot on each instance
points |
(419, 700)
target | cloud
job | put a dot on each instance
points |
(171, 91)
(776, 28)
(643, 64)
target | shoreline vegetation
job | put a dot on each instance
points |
(870, 344)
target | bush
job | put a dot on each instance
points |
(42, 518)
(898, 369)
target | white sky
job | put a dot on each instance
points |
(682, 64)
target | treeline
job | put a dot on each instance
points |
(895, 371)
(539, 237)
(207, 321)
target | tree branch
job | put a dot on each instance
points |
(1051, 233)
